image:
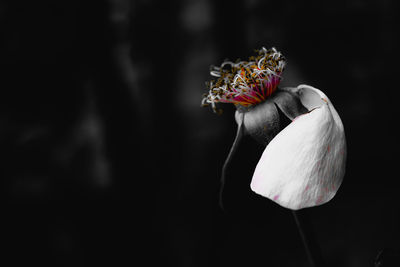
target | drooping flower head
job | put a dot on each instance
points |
(246, 83)
(303, 163)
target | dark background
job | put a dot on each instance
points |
(107, 158)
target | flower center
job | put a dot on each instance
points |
(246, 83)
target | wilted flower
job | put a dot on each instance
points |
(303, 163)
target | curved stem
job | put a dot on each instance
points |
(310, 246)
(239, 134)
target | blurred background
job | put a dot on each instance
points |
(107, 158)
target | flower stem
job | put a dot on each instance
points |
(239, 134)
(310, 246)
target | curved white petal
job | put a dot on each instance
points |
(304, 165)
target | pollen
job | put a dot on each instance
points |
(245, 83)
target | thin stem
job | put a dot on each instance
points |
(311, 248)
(239, 134)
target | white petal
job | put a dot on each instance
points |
(304, 165)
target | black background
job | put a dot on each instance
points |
(107, 158)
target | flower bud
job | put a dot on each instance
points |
(262, 121)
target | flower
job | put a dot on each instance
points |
(303, 163)
(246, 83)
